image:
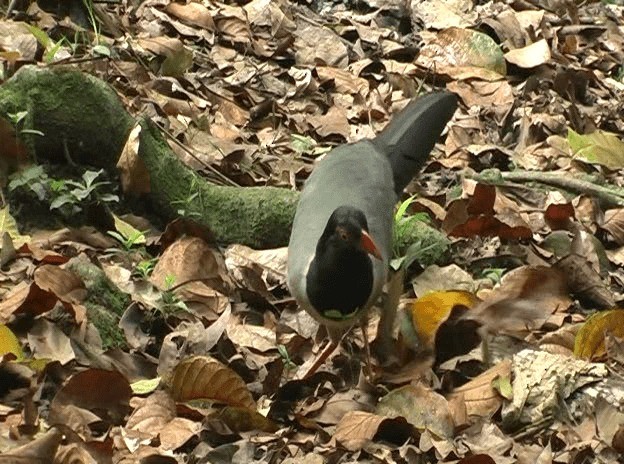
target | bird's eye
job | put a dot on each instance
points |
(342, 234)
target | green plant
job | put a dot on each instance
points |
(127, 235)
(494, 274)
(401, 219)
(17, 119)
(145, 268)
(51, 47)
(171, 302)
(33, 179)
(67, 196)
(283, 352)
(70, 200)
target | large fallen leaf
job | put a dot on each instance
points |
(421, 407)
(42, 449)
(64, 284)
(134, 176)
(590, 339)
(485, 212)
(599, 147)
(192, 13)
(358, 428)
(202, 377)
(90, 396)
(462, 48)
(526, 296)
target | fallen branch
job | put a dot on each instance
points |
(610, 195)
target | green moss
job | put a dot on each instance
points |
(105, 303)
(107, 325)
(429, 245)
(80, 115)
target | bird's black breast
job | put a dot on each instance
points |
(340, 282)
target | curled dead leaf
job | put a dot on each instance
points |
(206, 378)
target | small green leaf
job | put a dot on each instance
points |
(128, 232)
(102, 50)
(143, 387)
(40, 35)
(503, 386)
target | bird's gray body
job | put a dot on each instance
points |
(367, 175)
(356, 175)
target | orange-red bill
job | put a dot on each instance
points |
(366, 242)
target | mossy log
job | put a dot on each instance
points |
(82, 120)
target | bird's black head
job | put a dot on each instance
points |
(347, 229)
(340, 277)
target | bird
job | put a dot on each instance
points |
(341, 239)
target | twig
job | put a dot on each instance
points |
(611, 195)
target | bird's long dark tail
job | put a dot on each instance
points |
(411, 134)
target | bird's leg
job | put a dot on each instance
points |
(384, 340)
(368, 368)
(321, 358)
(335, 337)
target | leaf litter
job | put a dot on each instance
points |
(509, 349)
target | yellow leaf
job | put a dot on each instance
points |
(9, 343)
(590, 339)
(9, 225)
(432, 310)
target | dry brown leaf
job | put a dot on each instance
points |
(39, 451)
(85, 391)
(47, 341)
(232, 22)
(443, 14)
(191, 259)
(240, 419)
(479, 396)
(134, 176)
(584, 281)
(358, 428)
(26, 299)
(202, 377)
(421, 407)
(192, 13)
(463, 49)
(495, 94)
(527, 295)
(614, 224)
(64, 284)
(153, 414)
(334, 122)
(319, 45)
(530, 56)
(257, 337)
(485, 212)
(343, 80)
